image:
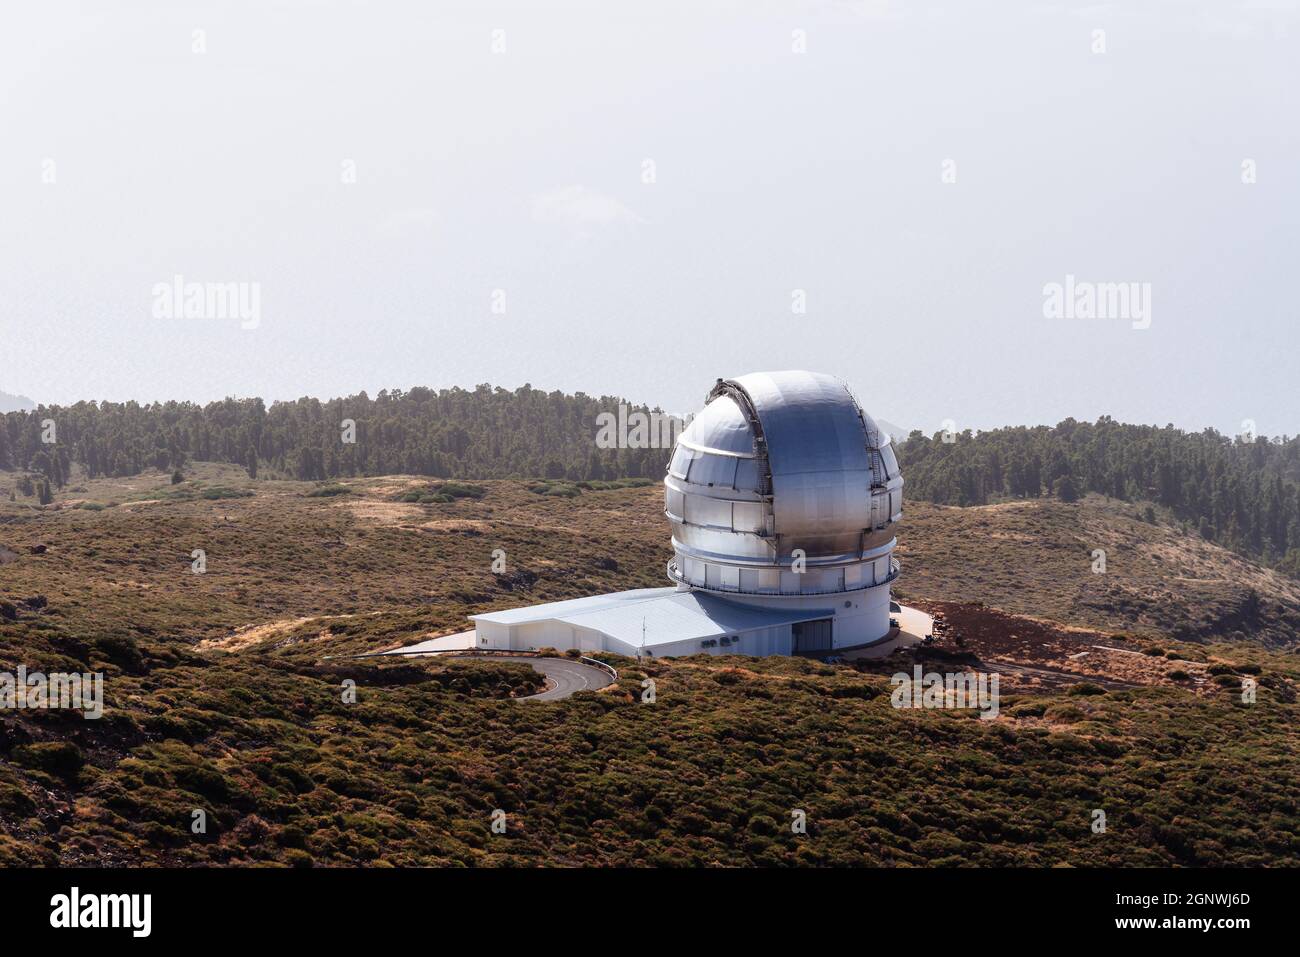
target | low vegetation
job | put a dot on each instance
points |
(226, 692)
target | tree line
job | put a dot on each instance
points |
(1242, 493)
(477, 434)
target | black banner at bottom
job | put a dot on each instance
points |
(730, 906)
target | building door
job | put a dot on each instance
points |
(811, 637)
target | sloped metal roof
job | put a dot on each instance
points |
(668, 615)
(558, 609)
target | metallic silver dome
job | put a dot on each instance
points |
(782, 485)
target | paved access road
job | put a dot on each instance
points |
(566, 677)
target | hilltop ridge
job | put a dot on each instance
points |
(15, 403)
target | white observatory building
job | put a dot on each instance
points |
(783, 496)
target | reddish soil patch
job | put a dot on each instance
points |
(1039, 655)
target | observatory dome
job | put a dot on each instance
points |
(783, 486)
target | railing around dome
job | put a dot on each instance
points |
(895, 569)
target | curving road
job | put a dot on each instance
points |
(565, 677)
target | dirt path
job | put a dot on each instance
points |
(251, 635)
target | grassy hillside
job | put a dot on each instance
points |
(220, 697)
(1035, 558)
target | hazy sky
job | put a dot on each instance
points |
(128, 158)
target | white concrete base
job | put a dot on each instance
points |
(913, 626)
(861, 616)
(914, 623)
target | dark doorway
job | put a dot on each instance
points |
(812, 636)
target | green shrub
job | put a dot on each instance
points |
(1028, 709)
(15, 801)
(460, 490)
(440, 493)
(297, 779)
(291, 836)
(1064, 714)
(556, 489)
(121, 651)
(61, 758)
(205, 781)
(327, 491)
(1109, 747)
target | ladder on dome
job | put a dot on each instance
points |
(879, 480)
(734, 390)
